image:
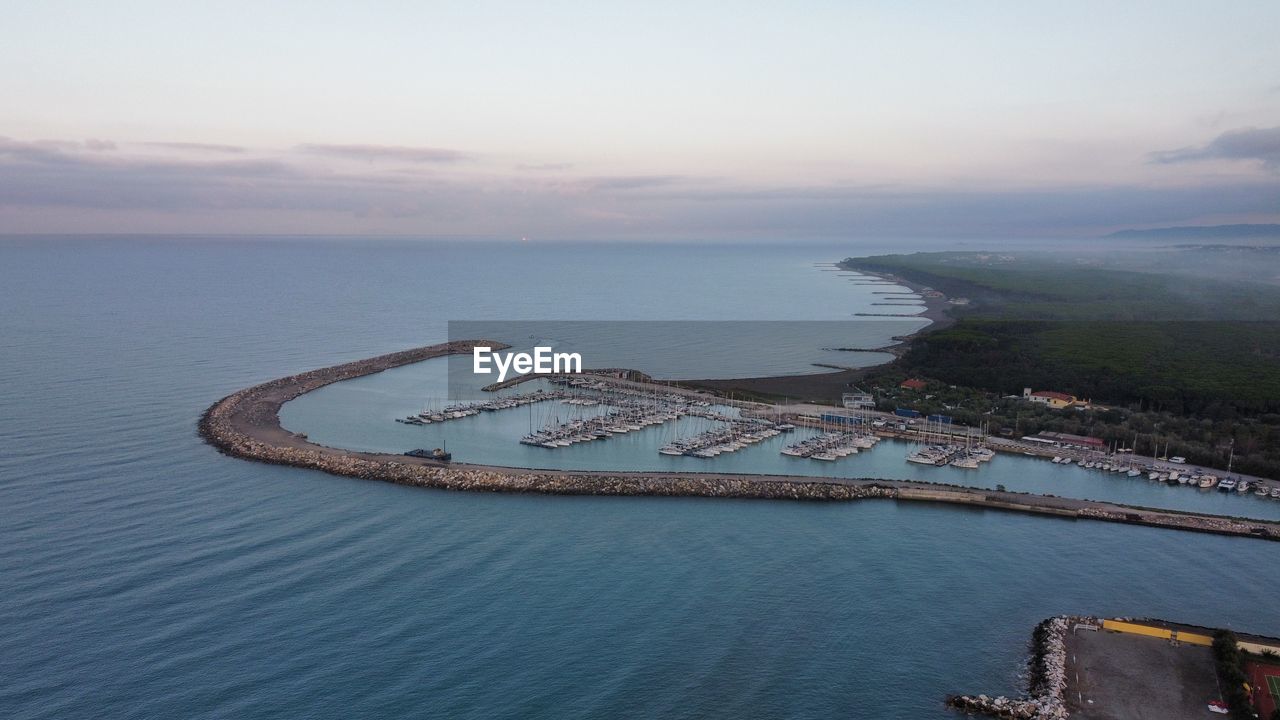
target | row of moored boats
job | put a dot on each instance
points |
(955, 455)
(600, 427)
(457, 411)
(1203, 481)
(740, 434)
(831, 446)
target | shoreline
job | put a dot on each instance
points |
(828, 386)
(246, 425)
(936, 309)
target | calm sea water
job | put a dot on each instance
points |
(144, 575)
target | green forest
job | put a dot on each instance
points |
(1199, 355)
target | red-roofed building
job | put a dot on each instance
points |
(913, 384)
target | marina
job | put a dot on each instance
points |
(246, 424)
(571, 431)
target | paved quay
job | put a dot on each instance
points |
(246, 424)
(1114, 676)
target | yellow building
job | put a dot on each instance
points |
(1051, 398)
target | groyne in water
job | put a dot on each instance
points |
(1046, 674)
(246, 424)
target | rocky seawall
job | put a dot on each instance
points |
(246, 424)
(1047, 673)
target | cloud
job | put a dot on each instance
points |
(938, 212)
(197, 147)
(628, 182)
(28, 151)
(372, 153)
(43, 174)
(545, 167)
(66, 187)
(1261, 144)
(47, 151)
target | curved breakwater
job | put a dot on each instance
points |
(246, 424)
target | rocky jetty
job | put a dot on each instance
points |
(1194, 522)
(1048, 680)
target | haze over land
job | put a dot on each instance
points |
(658, 121)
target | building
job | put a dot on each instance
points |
(913, 384)
(1058, 439)
(1051, 398)
(859, 401)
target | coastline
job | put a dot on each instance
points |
(936, 309)
(246, 424)
(826, 387)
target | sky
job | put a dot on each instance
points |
(667, 120)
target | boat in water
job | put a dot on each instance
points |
(438, 454)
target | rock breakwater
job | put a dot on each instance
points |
(1047, 675)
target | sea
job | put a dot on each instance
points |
(144, 575)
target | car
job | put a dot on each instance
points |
(1178, 459)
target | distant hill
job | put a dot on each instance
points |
(1197, 232)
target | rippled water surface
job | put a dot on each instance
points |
(144, 575)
